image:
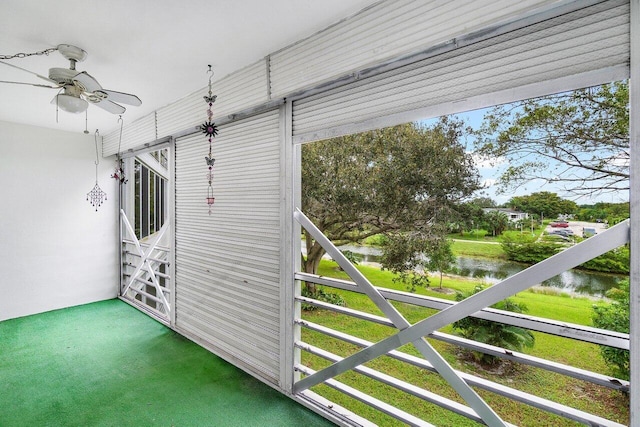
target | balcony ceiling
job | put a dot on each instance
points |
(156, 49)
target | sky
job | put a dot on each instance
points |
(489, 174)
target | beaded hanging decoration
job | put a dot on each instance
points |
(211, 130)
(96, 196)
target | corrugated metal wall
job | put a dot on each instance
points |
(135, 134)
(228, 264)
(383, 31)
(390, 29)
(387, 29)
(587, 39)
(239, 90)
(243, 89)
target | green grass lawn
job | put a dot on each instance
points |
(487, 247)
(579, 394)
(473, 236)
(477, 249)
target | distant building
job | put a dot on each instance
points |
(514, 216)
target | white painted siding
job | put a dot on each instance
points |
(386, 30)
(582, 41)
(135, 134)
(242, 89)
(227, 264)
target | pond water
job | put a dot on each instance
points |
(571, 281)
(494, 270)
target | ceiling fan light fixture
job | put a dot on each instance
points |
(78, 89)
(71, 104)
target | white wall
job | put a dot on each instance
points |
(56, 251)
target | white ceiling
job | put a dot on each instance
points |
(156, 49)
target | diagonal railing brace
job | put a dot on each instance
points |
(569, 258)
(145, 262)
(483, 410)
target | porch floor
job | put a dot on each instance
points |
(107, 364)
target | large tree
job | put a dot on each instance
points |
(579, 140)
(484, 202)
(470, 216)
(544, 204)
(612, 213)
(404, 182)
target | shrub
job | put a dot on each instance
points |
(516, 237)
(478, 233)
(319, 294)
(615, 317)
(615, 261)
(352, 257)
(494, 333)
(522, 247)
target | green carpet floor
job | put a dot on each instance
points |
(107, 364)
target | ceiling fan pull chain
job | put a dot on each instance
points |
(24, 55)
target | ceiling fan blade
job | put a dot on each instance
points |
(88, 83)
(30, 72)
(30, 84)
(125, 98)
(109, 106)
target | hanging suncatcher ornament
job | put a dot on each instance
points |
(211, 130)
(96, 196)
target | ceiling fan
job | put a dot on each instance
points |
(78, 89)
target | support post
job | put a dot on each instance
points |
(634, 199)
(289, 263)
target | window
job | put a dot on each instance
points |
(150, 193)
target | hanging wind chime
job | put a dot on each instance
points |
(96, 196)
(210, 129)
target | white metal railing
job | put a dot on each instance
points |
(146, 259)
(596, 378)
(539, 324)
(450, 312)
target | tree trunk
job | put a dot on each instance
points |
(314, 255)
